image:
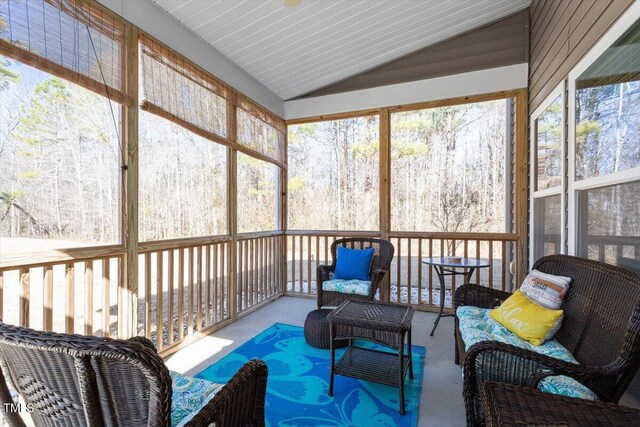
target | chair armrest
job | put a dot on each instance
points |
(478, 296)
(144, 341)
(505, 363)
(378, 275)
(376, 278)
(497, 361)
(240, 402)
(323, 274)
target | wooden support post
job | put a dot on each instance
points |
(521, 189)
(385, 190)
(232, 208)
(284, 219)
(128, 287)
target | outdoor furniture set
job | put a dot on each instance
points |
(359, 317)
(572, 379)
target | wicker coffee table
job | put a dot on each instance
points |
(384, 323)
(510, 405)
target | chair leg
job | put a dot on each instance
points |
(456, 358)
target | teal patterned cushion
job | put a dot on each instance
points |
(354, 286)
(566, 386)
(189, 395)
(476, 325)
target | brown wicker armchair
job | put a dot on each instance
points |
(379, 267)
(601, 328)
(73, 380)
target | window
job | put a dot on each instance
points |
(448, 168)
(183, 182)
(547, 215)
(548, 143)
(604, 144)
(607, 110)
(333, 175)
(257, 194)
(61, 158)
(547, 177)
(609, 224)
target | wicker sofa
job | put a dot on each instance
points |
(600, 330)
(74, 380)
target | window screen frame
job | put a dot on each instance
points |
(628, 19)
(558, 92)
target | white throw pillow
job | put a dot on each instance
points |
(546, 289)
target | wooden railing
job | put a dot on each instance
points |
(415, 283)
(260, 274)
(75, 291)
(183, 288)
(409, 280)
(185, 285)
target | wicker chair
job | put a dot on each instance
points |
(601, 329)
(73, 380)
(379, 267)
(509, 405)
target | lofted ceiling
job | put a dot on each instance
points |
(295, 50)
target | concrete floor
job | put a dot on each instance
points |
(441, 402)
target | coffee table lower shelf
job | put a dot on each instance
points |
(372, 365)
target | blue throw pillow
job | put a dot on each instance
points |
(353, 263)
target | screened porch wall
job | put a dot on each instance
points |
(175, 289)
(171, 286)
(409, 280)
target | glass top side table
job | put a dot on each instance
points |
(446, 267)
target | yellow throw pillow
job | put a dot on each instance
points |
(528, 320)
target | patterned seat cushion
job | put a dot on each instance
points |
(353, 286)
(476, 325)
(189, 395)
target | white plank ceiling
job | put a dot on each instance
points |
(294, 50)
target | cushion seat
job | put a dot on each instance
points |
(476, 325)
(189, 395)
(353, 286)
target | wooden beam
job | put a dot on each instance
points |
(521, 186)
(281, 287)
(59, 256)
(128, 288)
(385, 189)
(470, 99)
(492, 96)
(232, 210)
(335, 116)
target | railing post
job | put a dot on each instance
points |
(128, 283)
(385, 190)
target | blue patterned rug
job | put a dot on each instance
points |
(299, 380)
